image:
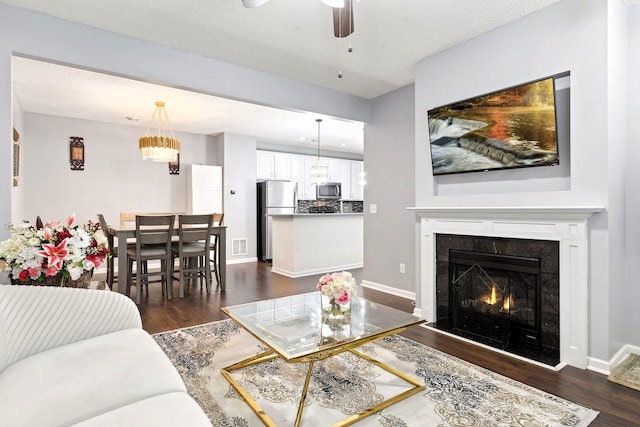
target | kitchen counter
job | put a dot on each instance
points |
(306, 244)
(318, 214)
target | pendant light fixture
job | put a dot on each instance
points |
(319, 171)
(160, 148)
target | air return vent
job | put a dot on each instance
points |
(239, 246)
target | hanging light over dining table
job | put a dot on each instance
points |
(319, 171)
(161, 147)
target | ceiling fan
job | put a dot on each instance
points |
(342, 14)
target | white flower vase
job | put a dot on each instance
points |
(334, 314)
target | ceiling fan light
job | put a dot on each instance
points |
(253, 3)
(334, 3)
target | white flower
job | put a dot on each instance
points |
(75, 271)
(87, 265)
(34, 241)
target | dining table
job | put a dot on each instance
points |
(125, 232)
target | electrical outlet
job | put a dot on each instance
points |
(402, 269)
(373, 208)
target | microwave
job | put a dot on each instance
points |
(329, 191)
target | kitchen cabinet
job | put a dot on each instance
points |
(301, 173)
(357, 190)
(297, 168)
(272, 165)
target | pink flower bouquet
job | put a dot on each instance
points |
(33, 255)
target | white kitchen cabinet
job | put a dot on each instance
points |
(204, 189)
(340, 171)
(301, 173)
(282, 166)
(265, 164)
(272, 165)
(357, 189)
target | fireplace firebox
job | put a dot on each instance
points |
(501, 292)
(495, 298)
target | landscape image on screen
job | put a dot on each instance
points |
(510, 128)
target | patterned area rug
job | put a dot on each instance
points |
(457, 394)
(627, 373)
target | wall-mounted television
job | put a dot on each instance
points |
(509, 128)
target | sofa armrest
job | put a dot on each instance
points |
(38, 318)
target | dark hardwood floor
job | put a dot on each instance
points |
(618, 406)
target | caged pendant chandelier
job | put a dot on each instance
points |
(160, 148)
(319, 171)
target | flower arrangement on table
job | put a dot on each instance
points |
(54, 255)
(339, 288)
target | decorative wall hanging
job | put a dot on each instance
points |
(174, 167)
(76, 153)
(16, 157)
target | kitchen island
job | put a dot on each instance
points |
(305, 244)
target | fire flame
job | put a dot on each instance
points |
(508, 303)
(492, 299)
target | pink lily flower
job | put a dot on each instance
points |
(71, 220)
(55, 254)
(52, 270)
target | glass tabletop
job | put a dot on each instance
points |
(293, 327)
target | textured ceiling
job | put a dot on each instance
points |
(292, 38)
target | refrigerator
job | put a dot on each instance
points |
(274, 197)
(204, 189)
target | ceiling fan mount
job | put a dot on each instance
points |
(342, 14)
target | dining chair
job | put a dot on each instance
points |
(193, 249)
(127, 218)
(113, 250)
(215, 257)
(153, 243)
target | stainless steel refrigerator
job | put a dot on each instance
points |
(274, 197)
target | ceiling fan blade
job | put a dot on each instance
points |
(343, 20)
(253, 3)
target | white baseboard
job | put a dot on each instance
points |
(241, 260)
(605, 367)
(389, 290)
(319, 271)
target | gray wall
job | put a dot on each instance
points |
(586, 38)
(389, 164)
(36, 35)
(239, 174)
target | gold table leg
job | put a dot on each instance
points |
(270, 355)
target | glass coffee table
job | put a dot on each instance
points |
(293, 330)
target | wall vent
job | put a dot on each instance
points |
(239, 246)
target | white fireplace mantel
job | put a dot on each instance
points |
(567, 225)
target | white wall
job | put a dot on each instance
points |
(17, 193)
(115, 178)
(632, 183)
(389, 164)
(569, 36)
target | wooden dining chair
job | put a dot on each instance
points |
(113, 250)
(153, 242)
(215, 243)
(193, 249)
(127, 218)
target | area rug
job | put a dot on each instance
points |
(457, 394)
(627, 373)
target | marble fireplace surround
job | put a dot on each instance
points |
(567, 225)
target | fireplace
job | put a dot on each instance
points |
(565, 226)
(496, 298)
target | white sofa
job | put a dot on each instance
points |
(79, 357)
